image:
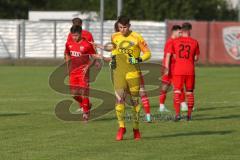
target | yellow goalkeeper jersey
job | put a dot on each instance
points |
(132, 45)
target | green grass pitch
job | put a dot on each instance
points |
(29, 129)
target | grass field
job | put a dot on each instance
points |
(29, 129)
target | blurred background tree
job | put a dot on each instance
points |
(157, 10)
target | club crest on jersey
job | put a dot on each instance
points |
(81, 48)
(131, 43)
(231, 39)
(126, 44)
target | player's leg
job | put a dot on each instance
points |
(163, 93)
(145, 100)
(84, 91)
(79, 98)
(183, 104)
(190, 83)
(120, 113)
(120, 86)
(73, 82)
(178, 82)
(136, 116)
(134, 87)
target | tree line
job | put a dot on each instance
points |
(157, 10)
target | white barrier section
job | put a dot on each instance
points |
(46, 39)
(9, 38)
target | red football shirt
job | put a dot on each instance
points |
(167, 49)
(79, 53)
(85, 35)
(184, 50)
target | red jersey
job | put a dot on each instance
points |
(85, 35)
(184, 50)
(79, 53)
(167, 49)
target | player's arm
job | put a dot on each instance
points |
(98, 46)
(145, 50)
(93, 53)
(67, 56)
(167, 63)
(107, 47)
(169, 53)
(197, 53)
(100, 56)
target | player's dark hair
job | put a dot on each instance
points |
(116, 27)
(176, 27)
(124, 20)
(76, 29)
(77, 21)
(186, 26)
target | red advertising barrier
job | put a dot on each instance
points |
(224, 43)
(219, 41)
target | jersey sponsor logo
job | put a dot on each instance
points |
(124, 47)
(125, 51)
(131, 43)
(75, 54)
(231, 39)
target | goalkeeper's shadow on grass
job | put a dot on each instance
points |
(186, 134)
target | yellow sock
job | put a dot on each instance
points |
(136, 116)
(120, 110)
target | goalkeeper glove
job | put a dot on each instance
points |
(133, 60)
(113, 63)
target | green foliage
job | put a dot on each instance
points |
(157, 10)
(179, 9)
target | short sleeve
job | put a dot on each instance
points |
(170, 48)
(91, 49)
(90, 37)
(67, 50)
(69, 38)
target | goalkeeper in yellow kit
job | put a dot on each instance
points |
(126, 72)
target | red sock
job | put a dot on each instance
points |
(177, 103)
(146, 104)
(162, 97)
(182, 97)
(190, 101)
(79, 99)
(85, 104)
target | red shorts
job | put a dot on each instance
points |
(78, 81)
(179, 81)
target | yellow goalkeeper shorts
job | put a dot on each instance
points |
(126, 76)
